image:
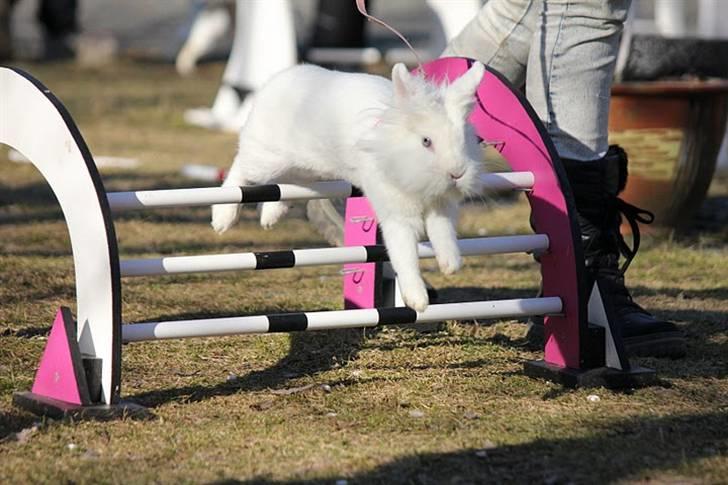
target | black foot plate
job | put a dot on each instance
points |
(599, 377)
(52, 408)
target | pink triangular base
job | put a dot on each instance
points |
(60, 373)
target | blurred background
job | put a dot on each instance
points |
(669, 98)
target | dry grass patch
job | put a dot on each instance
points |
(373, 406)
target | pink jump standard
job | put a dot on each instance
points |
(80, 370)
(576, 352)
(361, 281)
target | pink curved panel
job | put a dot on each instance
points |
(502, 115)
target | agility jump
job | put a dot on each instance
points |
(80, 371)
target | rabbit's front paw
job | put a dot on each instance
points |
(224, 216)
(415, 296)
(449, 262)
(271, 212)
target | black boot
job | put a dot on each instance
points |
(596, 186)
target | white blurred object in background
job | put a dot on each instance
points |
(265, 44)
(452, 15)
(208, 27)
(670, 18)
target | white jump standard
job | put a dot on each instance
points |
(80, 371)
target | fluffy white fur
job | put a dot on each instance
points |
(309, 123)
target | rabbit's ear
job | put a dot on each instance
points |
(400, 81)
(460, 95)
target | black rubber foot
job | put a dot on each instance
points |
(52, 408)
(599, 377)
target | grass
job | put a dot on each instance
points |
(387, 406)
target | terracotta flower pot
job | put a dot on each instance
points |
(672, 131)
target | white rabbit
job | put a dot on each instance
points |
(406, 144)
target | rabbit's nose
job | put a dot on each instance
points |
(457, 176)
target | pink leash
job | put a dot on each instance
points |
(361, 6)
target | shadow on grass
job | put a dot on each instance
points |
(14, 422)
(49, 291)
(425, 340)
(33, 194)
(172, 248)
(195, 248)
(720, 292)
(711, 220)
(314, 352)
(701, 326)
(310, 353)
(35, 217)
(39, 196)
(477, 293)
(616, 451)
(474, 293)
(26, 332)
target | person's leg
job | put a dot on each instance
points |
(58, 16)
(264, 44)
(570, 71)
(338, 24)
(6, 37)
(59, 21)
(500, 36)
(211, 21)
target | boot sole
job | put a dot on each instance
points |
(666, 344)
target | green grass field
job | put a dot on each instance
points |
(385, 406)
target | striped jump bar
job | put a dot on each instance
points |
(148, 199)
(327, 320)
(532, 243)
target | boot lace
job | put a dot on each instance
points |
(633, 215)
(608, 264)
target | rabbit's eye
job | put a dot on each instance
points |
(426, 142)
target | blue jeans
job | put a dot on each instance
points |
(565, 51)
